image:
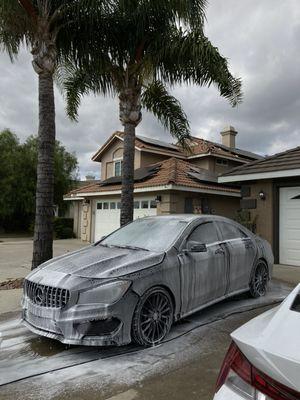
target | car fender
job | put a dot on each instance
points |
(165, 274)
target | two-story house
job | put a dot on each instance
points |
(167, 180)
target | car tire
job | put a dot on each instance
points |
(153, 317)
(259, 280)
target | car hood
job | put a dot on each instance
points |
(102, 262)
(271, 342)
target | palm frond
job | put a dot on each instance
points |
(167, 109)
(189, 57)
(75, 83)
(15, 27)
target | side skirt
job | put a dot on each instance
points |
(211, 303)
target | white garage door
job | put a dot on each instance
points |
(289, 226)
(107, 214)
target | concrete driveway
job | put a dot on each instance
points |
(186, 365)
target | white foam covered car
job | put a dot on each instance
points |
(263, 361)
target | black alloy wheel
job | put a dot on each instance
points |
(153, 317)
(259, 281)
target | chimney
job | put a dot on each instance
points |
(228, 136)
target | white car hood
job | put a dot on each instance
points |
(271, 342)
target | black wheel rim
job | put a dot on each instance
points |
(261, 280)
(155, 317)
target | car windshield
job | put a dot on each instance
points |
(153, 234)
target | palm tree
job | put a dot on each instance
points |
(49, 29)
(156, 44)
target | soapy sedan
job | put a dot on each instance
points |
(263, 361)
(133, 284)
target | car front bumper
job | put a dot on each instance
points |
(88, 324)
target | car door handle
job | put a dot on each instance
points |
(219, 251)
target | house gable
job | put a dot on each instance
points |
(215, 157)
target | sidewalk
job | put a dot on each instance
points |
(286, 273)
(16, 255)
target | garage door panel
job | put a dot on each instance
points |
(293, 235)
(289, 226)
(107, 214)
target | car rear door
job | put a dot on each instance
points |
(204, 275)
(242, 252)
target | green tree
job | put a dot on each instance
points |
(49, 30)
(9, 152)
(18, 165)
(154, 45)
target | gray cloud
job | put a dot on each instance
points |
(261, 41)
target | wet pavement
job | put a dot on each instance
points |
(184, 366)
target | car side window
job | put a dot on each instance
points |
(205, 233)
(230, 231)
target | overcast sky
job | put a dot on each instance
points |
(261, 39)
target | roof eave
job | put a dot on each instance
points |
(259, 175)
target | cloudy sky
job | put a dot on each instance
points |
(261, 39)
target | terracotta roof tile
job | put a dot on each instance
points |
(171, 171)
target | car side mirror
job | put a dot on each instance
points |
(195, 247)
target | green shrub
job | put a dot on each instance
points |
(63, 228)
(243, 217)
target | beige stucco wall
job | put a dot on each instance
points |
(115, 151)
(263, 214)
(204, 162)
(151, 158)
(173, 202)
(209, 163)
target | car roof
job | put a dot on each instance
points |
(192, 217)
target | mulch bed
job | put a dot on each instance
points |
(12, 284)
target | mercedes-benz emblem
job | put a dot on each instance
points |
(39, 296)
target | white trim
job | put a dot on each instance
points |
(107, 145)
(165, 153)
(73, 198)
(260, 175)
(163, 188)
(208, 191)
(237, 158)
(200, 155)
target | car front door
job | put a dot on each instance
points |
(242, 253)
(203, 273)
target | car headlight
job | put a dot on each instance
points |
(107, 293)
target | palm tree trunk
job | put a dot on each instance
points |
(43, 229)
(128, 174)
(130, 116)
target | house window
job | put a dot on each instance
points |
(118, 167)
(105, 206)
(153, 204)
(113, 205)
(221, 161)
(118, 205)
(145, 204)
(99, 206)
(136, 204)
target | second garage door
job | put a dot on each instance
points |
(289, 226)
(107, 214)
